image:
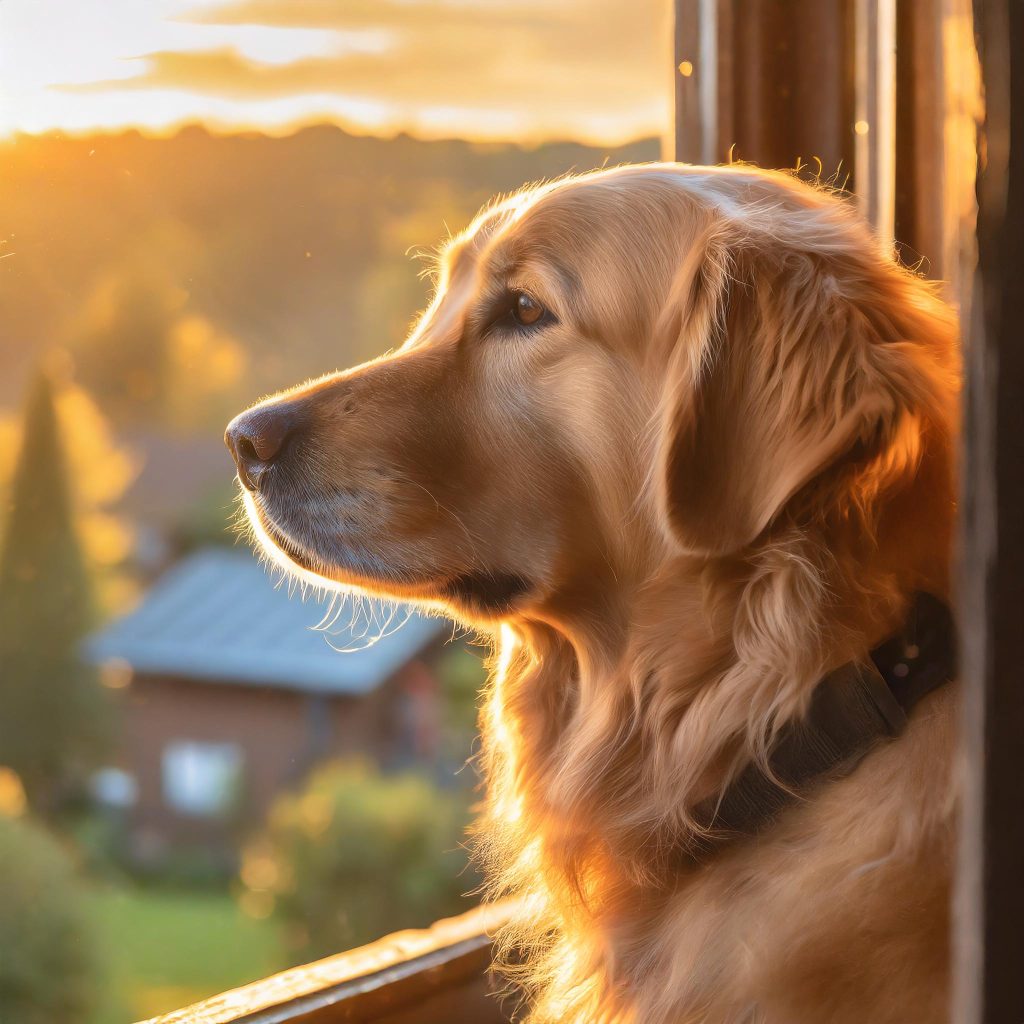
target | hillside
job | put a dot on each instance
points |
(189, 273)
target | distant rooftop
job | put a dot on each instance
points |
(219, 616)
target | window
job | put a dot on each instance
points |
(114, 788)
(201, 779)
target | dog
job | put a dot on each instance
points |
(682, 440)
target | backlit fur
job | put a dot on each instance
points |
(718, 472)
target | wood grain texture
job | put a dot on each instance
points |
(773, 83)
(989, 935)
(438, 974)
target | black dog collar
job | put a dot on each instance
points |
(852, 709)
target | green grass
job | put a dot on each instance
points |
(168, 949)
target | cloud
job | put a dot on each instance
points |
(604, 62)
(346, 15)
(621, 36)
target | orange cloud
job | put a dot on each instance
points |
(595, 63)
(351, 14)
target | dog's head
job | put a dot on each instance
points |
(614, 368)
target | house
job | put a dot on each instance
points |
(228, 696)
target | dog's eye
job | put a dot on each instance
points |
(526, 310)
(517, 311)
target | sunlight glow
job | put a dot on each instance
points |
(509, 802)
(276, 556)
(162, 64)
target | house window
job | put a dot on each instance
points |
(201, 779)
(114, 787)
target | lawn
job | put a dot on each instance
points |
(168, 949)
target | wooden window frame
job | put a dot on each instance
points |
(438, 975)
(989, 931)
(916, 171)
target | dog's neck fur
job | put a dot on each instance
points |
(690, 697)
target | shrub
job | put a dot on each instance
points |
(49, 965)
(356, 855)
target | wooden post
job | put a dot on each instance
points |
(694, 73)
(919, 208)
(936, 142)
(989, 932)
(875, 124)
(770, 81)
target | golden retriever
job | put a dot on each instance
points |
(682, 438)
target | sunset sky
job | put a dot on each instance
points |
(526, 70)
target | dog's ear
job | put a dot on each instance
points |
(778, 372)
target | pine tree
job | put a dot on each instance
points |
(53, 711)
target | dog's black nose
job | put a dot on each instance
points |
(257, 438)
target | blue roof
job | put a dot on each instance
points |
(219, 616)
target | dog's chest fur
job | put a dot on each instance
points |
(838, 914)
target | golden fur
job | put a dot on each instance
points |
(716, 473)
